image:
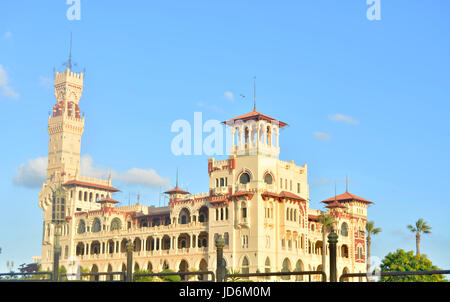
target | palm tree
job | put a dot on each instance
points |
(371, 230)
(421, 227)
(327, 222)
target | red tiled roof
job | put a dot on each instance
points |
(271, 194)
(286, 194)
(108, 199)
(346, 197)
(335, 204)
(242, 193)
(313, 217)
(283, 194)
(255, 115)
(90, 185)
(176, 190)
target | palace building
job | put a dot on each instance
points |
(258, 203)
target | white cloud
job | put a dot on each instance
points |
(229, 95)
(141, 177)
(7, 35)
(87, 168)
(322, 136)
(343, 118)
(5, 89)
(32, 174)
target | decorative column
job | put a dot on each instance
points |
(130, 248)
(332, 240)
(220, 272)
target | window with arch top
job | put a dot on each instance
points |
(268, 179)
(244, 178)
(344, 229)
(96, 226)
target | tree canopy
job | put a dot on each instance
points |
(402, 261)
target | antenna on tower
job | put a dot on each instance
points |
(335, 191)
(68, 64)
(346, 183)
(254, 93)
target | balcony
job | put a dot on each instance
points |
(220, 190)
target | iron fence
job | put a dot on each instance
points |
(96, 276)
(181, 274)
(269, 274)
(392, 274)
(26, 276)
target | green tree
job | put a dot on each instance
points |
(402, 261)
(421, 227)
(327, 223)
(371, 230)
(173, 278)
(144, 278)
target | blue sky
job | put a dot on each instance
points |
(367, 99)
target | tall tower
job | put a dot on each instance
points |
(65, 127)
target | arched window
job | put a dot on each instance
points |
(344, 251)
(299, 268)
(116, 224)
(96, 226)
(81, 227)
(185, 216)
(245, 266)
(344, 229)
(286, 267)
(268, 179)
(267, 267)
(244, 178)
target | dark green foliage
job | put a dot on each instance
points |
(144, 278)
(402, 261)
(174, 278)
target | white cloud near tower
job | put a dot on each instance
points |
(33, 173)
(5, 89)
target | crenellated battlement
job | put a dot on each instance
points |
(68, 76)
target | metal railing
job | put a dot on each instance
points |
(26, 276)
(181, 274)
(96, 276)
(392, 274)
(269, 274)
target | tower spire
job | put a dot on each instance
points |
(69, 62)
(254, 93)
(335, 193)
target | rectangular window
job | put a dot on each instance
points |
(281, 183)
(290, 185)
(244, 212)
(298, 188)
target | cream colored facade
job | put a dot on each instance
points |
(258, 203)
